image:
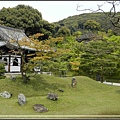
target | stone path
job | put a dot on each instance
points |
(110, 83)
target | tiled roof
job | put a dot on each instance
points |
(8, 33)
(2, 43)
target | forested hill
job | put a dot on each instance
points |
(76, 22)
(30, 20)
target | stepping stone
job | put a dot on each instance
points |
(40, 108)
(52, 96)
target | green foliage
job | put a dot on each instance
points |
(63, 57)
(76, 22)
(77, 33)
(21, 16)
(68, 58)
(47, 29)
(99, 58)
(91, 25)
(63, 31)
(2, 69)
(27, 18)
(110, 33)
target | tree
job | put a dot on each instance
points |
(42, 50)
(18, 50)
(26, 18)
(98, 59)
(92, 25)
(77, 33)
(20, 45)
(108, 64)
(22, 17)
(50, 57)
(48, 29)
(67, 55)
(63, 31)
(57, 27)
(60, 55)
(2, 70)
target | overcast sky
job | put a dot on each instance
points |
(53, 11)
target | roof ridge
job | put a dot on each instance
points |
(2, 36)
(10, 28)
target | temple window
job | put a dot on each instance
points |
(15, 62)
(5, 60)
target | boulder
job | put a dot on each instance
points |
(5, 94)
(52, 96)
(40, 108)
(74, 82)
(12, 77)
(21, 99)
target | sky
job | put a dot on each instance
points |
(53, 11)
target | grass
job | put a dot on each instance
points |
(88, 98)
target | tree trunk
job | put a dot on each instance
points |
(23, 73)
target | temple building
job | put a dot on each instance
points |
(13, 60)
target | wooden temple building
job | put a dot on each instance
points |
(12, 60)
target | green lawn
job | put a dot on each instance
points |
(88, 98)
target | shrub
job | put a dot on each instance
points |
(2, 70)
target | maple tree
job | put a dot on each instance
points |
(47, 54)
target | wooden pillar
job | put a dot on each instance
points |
(9, 63)
(21, 64)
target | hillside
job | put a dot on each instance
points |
(76, 22)
(88, 98)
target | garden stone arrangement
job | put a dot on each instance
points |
(12, 77)
(5, 94)
(40, 108)
(74, 82)
(21, 99)
(52, 96)
(60, 90)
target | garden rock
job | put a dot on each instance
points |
(60, 90)
(52, 96)
(40, 108)
(5, 94)
(21, 99)
(12, 77)
(74, 82)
